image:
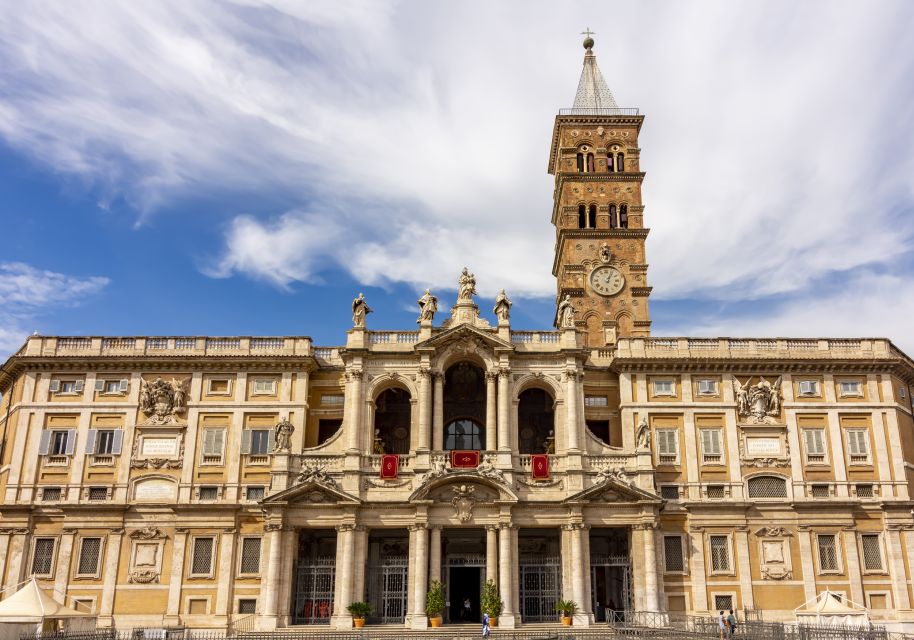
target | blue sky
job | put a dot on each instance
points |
(248, 167)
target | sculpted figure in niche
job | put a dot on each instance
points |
(360, 309)
(282, 439)
(467, 287)
(502, 307)
(566, 313)
(428, 305)
(644, 435)
(605, 253)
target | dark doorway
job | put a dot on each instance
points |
(464, 585)
(464, 407)
(391, 422)
(535, 420)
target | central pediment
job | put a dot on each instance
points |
(612, 490)
(311, 493)
(465, 333)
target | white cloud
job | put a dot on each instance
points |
(413, 136)
(26, 292)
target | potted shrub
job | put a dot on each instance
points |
(490, 602)
(359, 611)
(434, 603)
(566, 608)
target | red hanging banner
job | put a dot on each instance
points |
(390, 466)
(539, 466)
(464, 459)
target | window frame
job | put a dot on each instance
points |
(197, 597)
(663, 394)
(274, 386)
(729, 571)
(724, 594)
(55, 546)
(204, 455)
(825, 459)
(858, 393)
(215, 487)
(52, 442)
(211, 392)
(815, 392)
(327, 403)
(239, 599)
(705, 455)
(880, 546)
(240, 560)
(269, 434)
(715, 387)
(191, 573)
(247, 496)
(684, 571)
(865, 440)
(596, 401)
(676, 444)
(675, 486)
(839, 565)
(98, 560)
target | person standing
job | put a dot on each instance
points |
(485, 625)
(722, 624)
(731, 623)
(467, 613)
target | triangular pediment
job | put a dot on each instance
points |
(611, 490)
(311, 493)
(463, 332)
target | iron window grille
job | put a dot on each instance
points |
(723, 602)
(720, 553)
(247, 605)
(865, 491)
(43, 557)
(89, 553)
(51, 494)
(254, 493)
(715, 492)
(828, 552)
(872, 552)
(820, 491)
(674, 560)
(202, 559)
(250, 556)
(98, 494)
(767, 487)
(669, 492)
(208, 494)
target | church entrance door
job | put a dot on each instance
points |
(465, 585)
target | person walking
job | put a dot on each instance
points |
(722, 624)
(731, 623)
(485, 625)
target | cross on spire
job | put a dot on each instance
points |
(588, 32)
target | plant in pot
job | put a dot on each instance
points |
(359, 611)
(490, 602)
(434, 603)
(566, 608)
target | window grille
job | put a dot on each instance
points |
(809, 388)
(865, 491)
(663, 388)
(672, 553)
(89, 553)
(254, 493)
(828, 553)
(715, 492)
(820, 491)
(596, 401)
(202, 561)
(43, 557)
(858, 445)
(711, 449)
(720, 553)
(815, 445)
(723, 603)
(250, 555)
(850, 388)
(669, 492)
(247, 605)
(50, 494)
(767, 487)
(208, 494)
(707, 387)
(668, 445)
(332, 398)
(97, 494)
(872, 552)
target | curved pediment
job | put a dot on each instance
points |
(441, 488)
(311, 493)
(611, 490)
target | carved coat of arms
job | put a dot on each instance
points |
(758, 403)
(161, 400)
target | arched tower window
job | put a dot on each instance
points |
(592, 217)
(464, 407)
(581, 163)
(609, 162)
(392, 422)
(590, 167)
(623, 216)
(582, 216)
(535, 421)
(613, 223)
(620, 162)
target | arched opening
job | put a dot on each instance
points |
(582, 216)
(592, 217)
(590, 167)
(464, 407)
(581, 163)
(535, 422)
(623, 216)
(620, 162)
(613, 222)
(767, 487)
(623, 325)
(609, 162)
(392, 422)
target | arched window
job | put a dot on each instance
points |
(767, 487)
(592, 217)
(623, 216)
(590, 167)
(535, 420)
(582, 216)
(463, 434)
(391, 422)
(620, 162)
(609, 162)
(581, 162)
(612, 217)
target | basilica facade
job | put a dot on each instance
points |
(269, 482)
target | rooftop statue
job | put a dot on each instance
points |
(360, 309)
(502, 306)
(428, 305)
(467, 287)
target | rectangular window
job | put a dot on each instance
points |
(250, 556)
(112, 387)
(68, 387)
(668, 446)
(247, 605)
(213, 445)
(711, 447)
(104, 442)
(828, 552)
(850, 388)
(208, 494)
(664, 388)
(264, 386)
(202, 561)
(596, 401)
(808, 387)
(864, 491)
(98, 494)
(872, 552)
(820, 491)
(720, 553)
(858, 446)
(674, 562)
(707, 387)
(51, 494)
(260, 441)
(59, 441)
(43, 557)
(332, 399)
(814, 439)
(715, 492)
(89, 552)
(254, 493)
(669, 491)
(723, 602)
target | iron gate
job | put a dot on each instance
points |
(540, 587)
(387, 590)
(313, 599)
(617, 573)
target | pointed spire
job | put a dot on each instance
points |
(593, 92)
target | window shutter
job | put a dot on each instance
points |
(99, 384)
(246, 441)
(80, 385)
(710, 441)
(857, 443)
(814, 443)
(220, 440)
(71, 442)
(45, 444)
(118, 442)
(90, 441)
(55, 386)
(124, 385)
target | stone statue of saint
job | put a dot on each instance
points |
(644, 435)
(360, 309)
(605, 253)
(282, 435)
(502, 306)
(566, 313)
(467, 288)
(428, 305)
(179, 399)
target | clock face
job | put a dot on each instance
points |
(607, 281)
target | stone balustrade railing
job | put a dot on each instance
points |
(769, 348)
(42, 346)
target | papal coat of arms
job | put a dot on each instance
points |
(758, 403)
(161, 400)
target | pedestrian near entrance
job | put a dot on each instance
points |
(731, 623)
(722, 623)
(467, 614)
(485, 625)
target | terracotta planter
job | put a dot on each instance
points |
(566, 620)
(358, 623)
(493, 621)
(435, 622)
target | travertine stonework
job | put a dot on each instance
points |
(208, 482)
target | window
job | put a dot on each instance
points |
(715, 492)
(590, 167)
(98, 494)
(858, 446)
(105, 442)
(254, 493)
(43, 557)
(902, 393)
(67, 387)
(463, 435)
(723, 602)
(592, 217)
(828, 552)
(596, 401)
(580, 158)
(673, 559)
(668, 446)
(767, 487)
(112, 387)
(808, 387)
(620, 162)
(613, 221)
(850, 388)
(250, 556)
(247, 605)
(332, 399)
(219, 386)
(57, 442)
(326, 429)
(202, 560)
(664, 388)
(720, 553)
(872, 552)
(815, 445)
(711, 449)
(707, 387)
(820, 491)
(50, 494)
(623, 216)
(208, 494)
(89, 553)
(256, 442)
(264, 386)
(213, 444)
(609, 162)
(669, 492)
(864, 491)
(582, 216)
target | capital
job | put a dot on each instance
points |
(354, 374)
(345, 527)
(504, 372)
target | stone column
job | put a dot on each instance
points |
(354, 421)
(571, 409)
(504, 413)
(895, 561)
(361, 562)
(809, 572)
(492, 553)
(506, 571)
(226, 575)
(434, 570)
(424, 406)
(112, 561)
(342, 596)
(419, 544)
(270, 585)
(64, 557)
(491, 411)
(651, 597)
(438, 414)
(741, 537)
(577, 564)
(176, 579)
(853, 566)
(4, 548)
(289, 553)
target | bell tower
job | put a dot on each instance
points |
(600, 262)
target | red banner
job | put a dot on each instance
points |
(464, 459)
(390, 466)
(539, 466)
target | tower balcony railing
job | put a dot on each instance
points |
(617, 111)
